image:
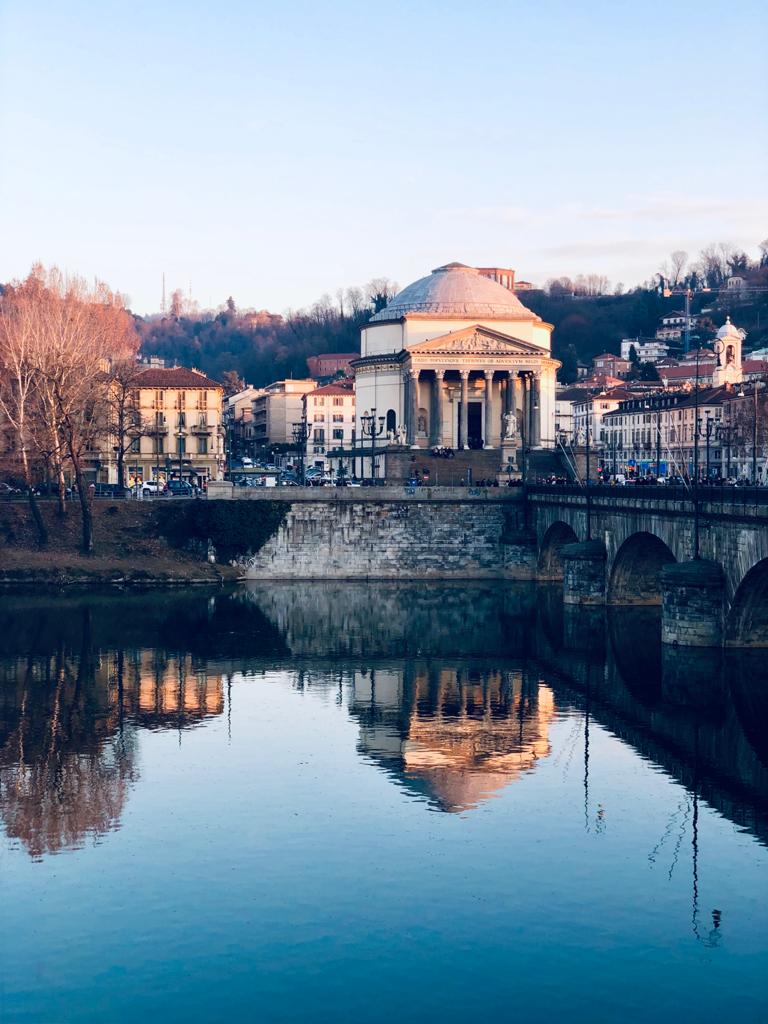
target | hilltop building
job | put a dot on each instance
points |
(330, 363)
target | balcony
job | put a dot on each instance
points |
(157, 429)
(201, 428)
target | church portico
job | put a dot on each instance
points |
(472, 385)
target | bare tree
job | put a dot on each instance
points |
(125, 424)
(82, 333)
(560, 286)
(380, 292)
(19, 324)
(677, 263)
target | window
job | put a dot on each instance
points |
(320, 401)
(338, 401)
(338, 418)
(319, 417)
(391, 420)
(319, 435)
(181, 446)
(338, 435)
(135, 446)
(202, 446)
(203, 399)
(182, 400)
(159, 399)
(158, 445)
(182, 420)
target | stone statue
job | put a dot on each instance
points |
(510, 426)
(400, 435)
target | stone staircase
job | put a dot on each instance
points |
(465, 467)
(543, 463)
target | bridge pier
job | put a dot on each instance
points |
(693, 603)
(584, 572)
(519, 553)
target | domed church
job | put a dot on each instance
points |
(455, 360)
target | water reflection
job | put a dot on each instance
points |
(70, 712)
(454, 690)
(454, 734)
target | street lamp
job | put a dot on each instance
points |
(300, 432)
(696, 461)
(371, 429)
(180, 451)
(709, 431)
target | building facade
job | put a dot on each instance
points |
(276, 409)
(456, 360)
(648, 350)
(180, 418)
(238, 415)
(330, 412)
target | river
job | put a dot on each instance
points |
(376, 802)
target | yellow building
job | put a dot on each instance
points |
(179, 418)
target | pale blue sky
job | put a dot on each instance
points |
(279, 151)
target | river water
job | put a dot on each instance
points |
(376, 802)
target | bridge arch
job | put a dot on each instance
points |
(636, 570)
(550, 566)
(747, 622)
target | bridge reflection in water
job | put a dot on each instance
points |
(455, 690)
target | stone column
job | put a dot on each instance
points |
(437, 422)
(692, 603)
(464, 424)
(412, 407)
(536, 409)
(488, 374)
(525, 405)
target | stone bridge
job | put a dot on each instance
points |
(636, 547)
(625, 546)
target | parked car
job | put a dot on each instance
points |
(180, 489)
(245, 461)
(149, 488)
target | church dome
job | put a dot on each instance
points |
(729, 330)
(456, 292)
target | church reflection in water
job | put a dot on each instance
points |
(454, 690)
(455, 735)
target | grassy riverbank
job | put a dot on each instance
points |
(128, 549)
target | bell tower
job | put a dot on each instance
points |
(728, 343)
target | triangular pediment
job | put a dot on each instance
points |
(476, 340)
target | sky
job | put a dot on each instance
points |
(276, 152)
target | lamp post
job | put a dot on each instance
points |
(300, 432)
(754, 435)
(370, 428)
(589, 504)
(696, 461)
(180, 451)
(709, 429)
(658, 443)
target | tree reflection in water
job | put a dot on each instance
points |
(454, 689)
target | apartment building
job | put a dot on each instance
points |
(330, 412)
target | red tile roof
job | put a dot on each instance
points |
(174, 377)
(335, 389)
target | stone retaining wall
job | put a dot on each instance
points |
(332, 539)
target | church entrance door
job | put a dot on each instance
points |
(475, 425)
